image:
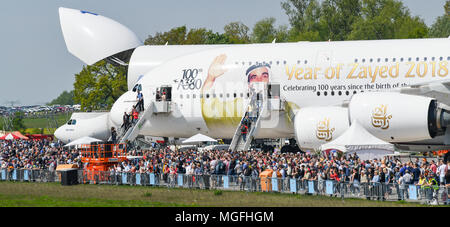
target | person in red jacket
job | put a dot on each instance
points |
(244, 130)
(135, 115)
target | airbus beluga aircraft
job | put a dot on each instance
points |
(398, 90)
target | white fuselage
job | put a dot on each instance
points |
(309, 74)
(209, 84)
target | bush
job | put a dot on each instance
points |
(218, 192)
(148, 194)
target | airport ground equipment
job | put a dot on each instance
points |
(98, 157)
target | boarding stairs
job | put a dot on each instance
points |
(132, 132)
(238, 143)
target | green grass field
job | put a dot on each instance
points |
(25, 194)
(42, 122)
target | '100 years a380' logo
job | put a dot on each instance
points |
(189, 79)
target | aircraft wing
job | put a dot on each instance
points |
(439, 90)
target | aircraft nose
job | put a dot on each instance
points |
(59, 134)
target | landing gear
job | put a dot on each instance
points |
(290, 149)
(267, 148)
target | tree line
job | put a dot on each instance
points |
(99, 85)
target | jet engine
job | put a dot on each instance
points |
(397, 117)
(315, 126)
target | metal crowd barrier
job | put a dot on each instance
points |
(372, 191)
(30, 175)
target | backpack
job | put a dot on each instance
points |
(247, 171)
(221, 167)
(244, 129)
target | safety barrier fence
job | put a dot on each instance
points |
(374, 191)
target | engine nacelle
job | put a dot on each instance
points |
(395, 117)
(315, 126)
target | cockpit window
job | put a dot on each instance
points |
(72, 122)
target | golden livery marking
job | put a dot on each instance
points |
(324, 132)
(380, 119)
(372, 73)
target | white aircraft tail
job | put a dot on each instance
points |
(91, 37)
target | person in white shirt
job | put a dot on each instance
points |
(441, 170)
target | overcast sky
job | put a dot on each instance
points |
(36, 67)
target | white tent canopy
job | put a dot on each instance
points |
(357, 139)
(82, 140)
(9, 137)
(199, 138)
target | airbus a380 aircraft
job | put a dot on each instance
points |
(311, 91)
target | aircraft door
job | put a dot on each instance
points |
(273, 96)
(273, 91)
(163, 97)
(163, 93)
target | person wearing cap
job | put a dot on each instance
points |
(219, 113)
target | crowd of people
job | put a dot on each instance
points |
(35, 154)
(301, 166)
(43, 154)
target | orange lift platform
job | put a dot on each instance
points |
(98, 158)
